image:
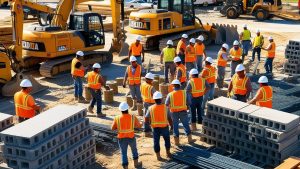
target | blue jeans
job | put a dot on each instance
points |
(183, 117)
(78, 86)
(139, 61)
(269, 65)
(182, 57)
(246, 45)
(199, 63)
(256, 50)
(164, 132)
(135, 92)
(197, 109)
(123, 144)
(147, 127)
(97, 97)
(209, 95)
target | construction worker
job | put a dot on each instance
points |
(181, 46)
(245, 38)
(24, 103)
(200, 52)
(209, 74)
(167, 56)
(136, 49)
(222, 63)
(180, 73)
(95, 82)
(271, 55)
(178, 103)
(125, 125)
(133, 75)
(264, 94)
(240, 85)
(196, 88)
(160, 120)
(77, 72)
(235, 56)
(190, 55)
(147, 91)
(258, 42)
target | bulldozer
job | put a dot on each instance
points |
(52, 47)
(171, 19)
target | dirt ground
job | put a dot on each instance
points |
(60, 88)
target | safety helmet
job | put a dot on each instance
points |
(235, 43)
(184, 36)
(209, 59)
(132, 59)
(169, 42)
(225, 46)
(194, 72)
(26, 83)
(96, 66)
(239, 68)
(257, 31)
(157, 95)
(139, 38)
(177, 59)
(270, 38)
(201, 38)
(79, 53)
(192, 40)
(149, 76)
(123, 106)
(263, 79)
(175, 82)
(245, 26)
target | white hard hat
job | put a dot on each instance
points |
(157, 95)
(245, 26)
(132, 59)
(177, 59)
(170, 42)
(239, 68)
(192, 40)
(194, 72)
(201, 38)
(209, 59)
(96, 66)
(270, 38)
(139, 38)
(26, 83)
(263, 79)
(149, 76)
(236, 43)
(79, 53)
(257, 31)
(123, 106)
(225, 46)
(175, 82)
(184, 36)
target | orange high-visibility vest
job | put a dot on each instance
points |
(93, 80)
(134, 79)
(181, 68)
(136, 50)
(180, 45)
(159, 116)
(125, 125)
(236, 54)
(178, 101)
(271, 52)
(190, 54)
(170, 88)
(221, 62)
(146, 92)
(22, 104)
(199, 49)
(74, 71)
(198, 86)
(209, 73)
(239, 85)
(267, 95)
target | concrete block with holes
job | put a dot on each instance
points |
(6, 121)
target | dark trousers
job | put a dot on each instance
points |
(269, 65)
(182, 57)
(164, 132)
(97, 97)
(258, 51)
(242, 98)
(196, 109)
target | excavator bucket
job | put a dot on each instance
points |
(225, 33)
(13, 86)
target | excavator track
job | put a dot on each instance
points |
(52, 67)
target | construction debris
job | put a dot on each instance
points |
(292, 54)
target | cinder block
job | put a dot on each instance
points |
(256, 130)
(6, 120)
(278, 136)
(243, 114)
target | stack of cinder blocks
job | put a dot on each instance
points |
(60, 137)
(292, 53)
(266, 135)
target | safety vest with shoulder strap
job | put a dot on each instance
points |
(239, 85)
(198, 86)
(211, 74)
(146, 93)
(134, 79)
(76, 71)
(178, 101)
(125, 126)
(236, 54)
(181, 68)
(190, 54)
(267, 95)
(21, 104)
(271, 52)
(93, 80)
(221, 62)
(159, 115)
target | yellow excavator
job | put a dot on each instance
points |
(54, 46)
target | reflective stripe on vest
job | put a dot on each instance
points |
(236, 54)
(180, 45)
(246, 35)
(258, 41)
(136, 50)
(169, 54)
(136, 78)
(211, 77)
(182, 68)
(271, 52)
(21, 104)
(198, 86)
(93, 80)
(159, 117)
(239, 85)
(267, 96)
(126, 130)
(178, 101)
(146, 93)
(221, 61)
(190, 54)
(74, 70)
(199, 49)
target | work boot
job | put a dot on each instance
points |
(100, 115)
(169, 155)
(190, 139)
(137, 164)
(125, 166)
(158, 157)
(193, 127)
(176, 140)
(81, 100)
(147, 134)
(90, 109)
(133, 108)
(76, 98)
